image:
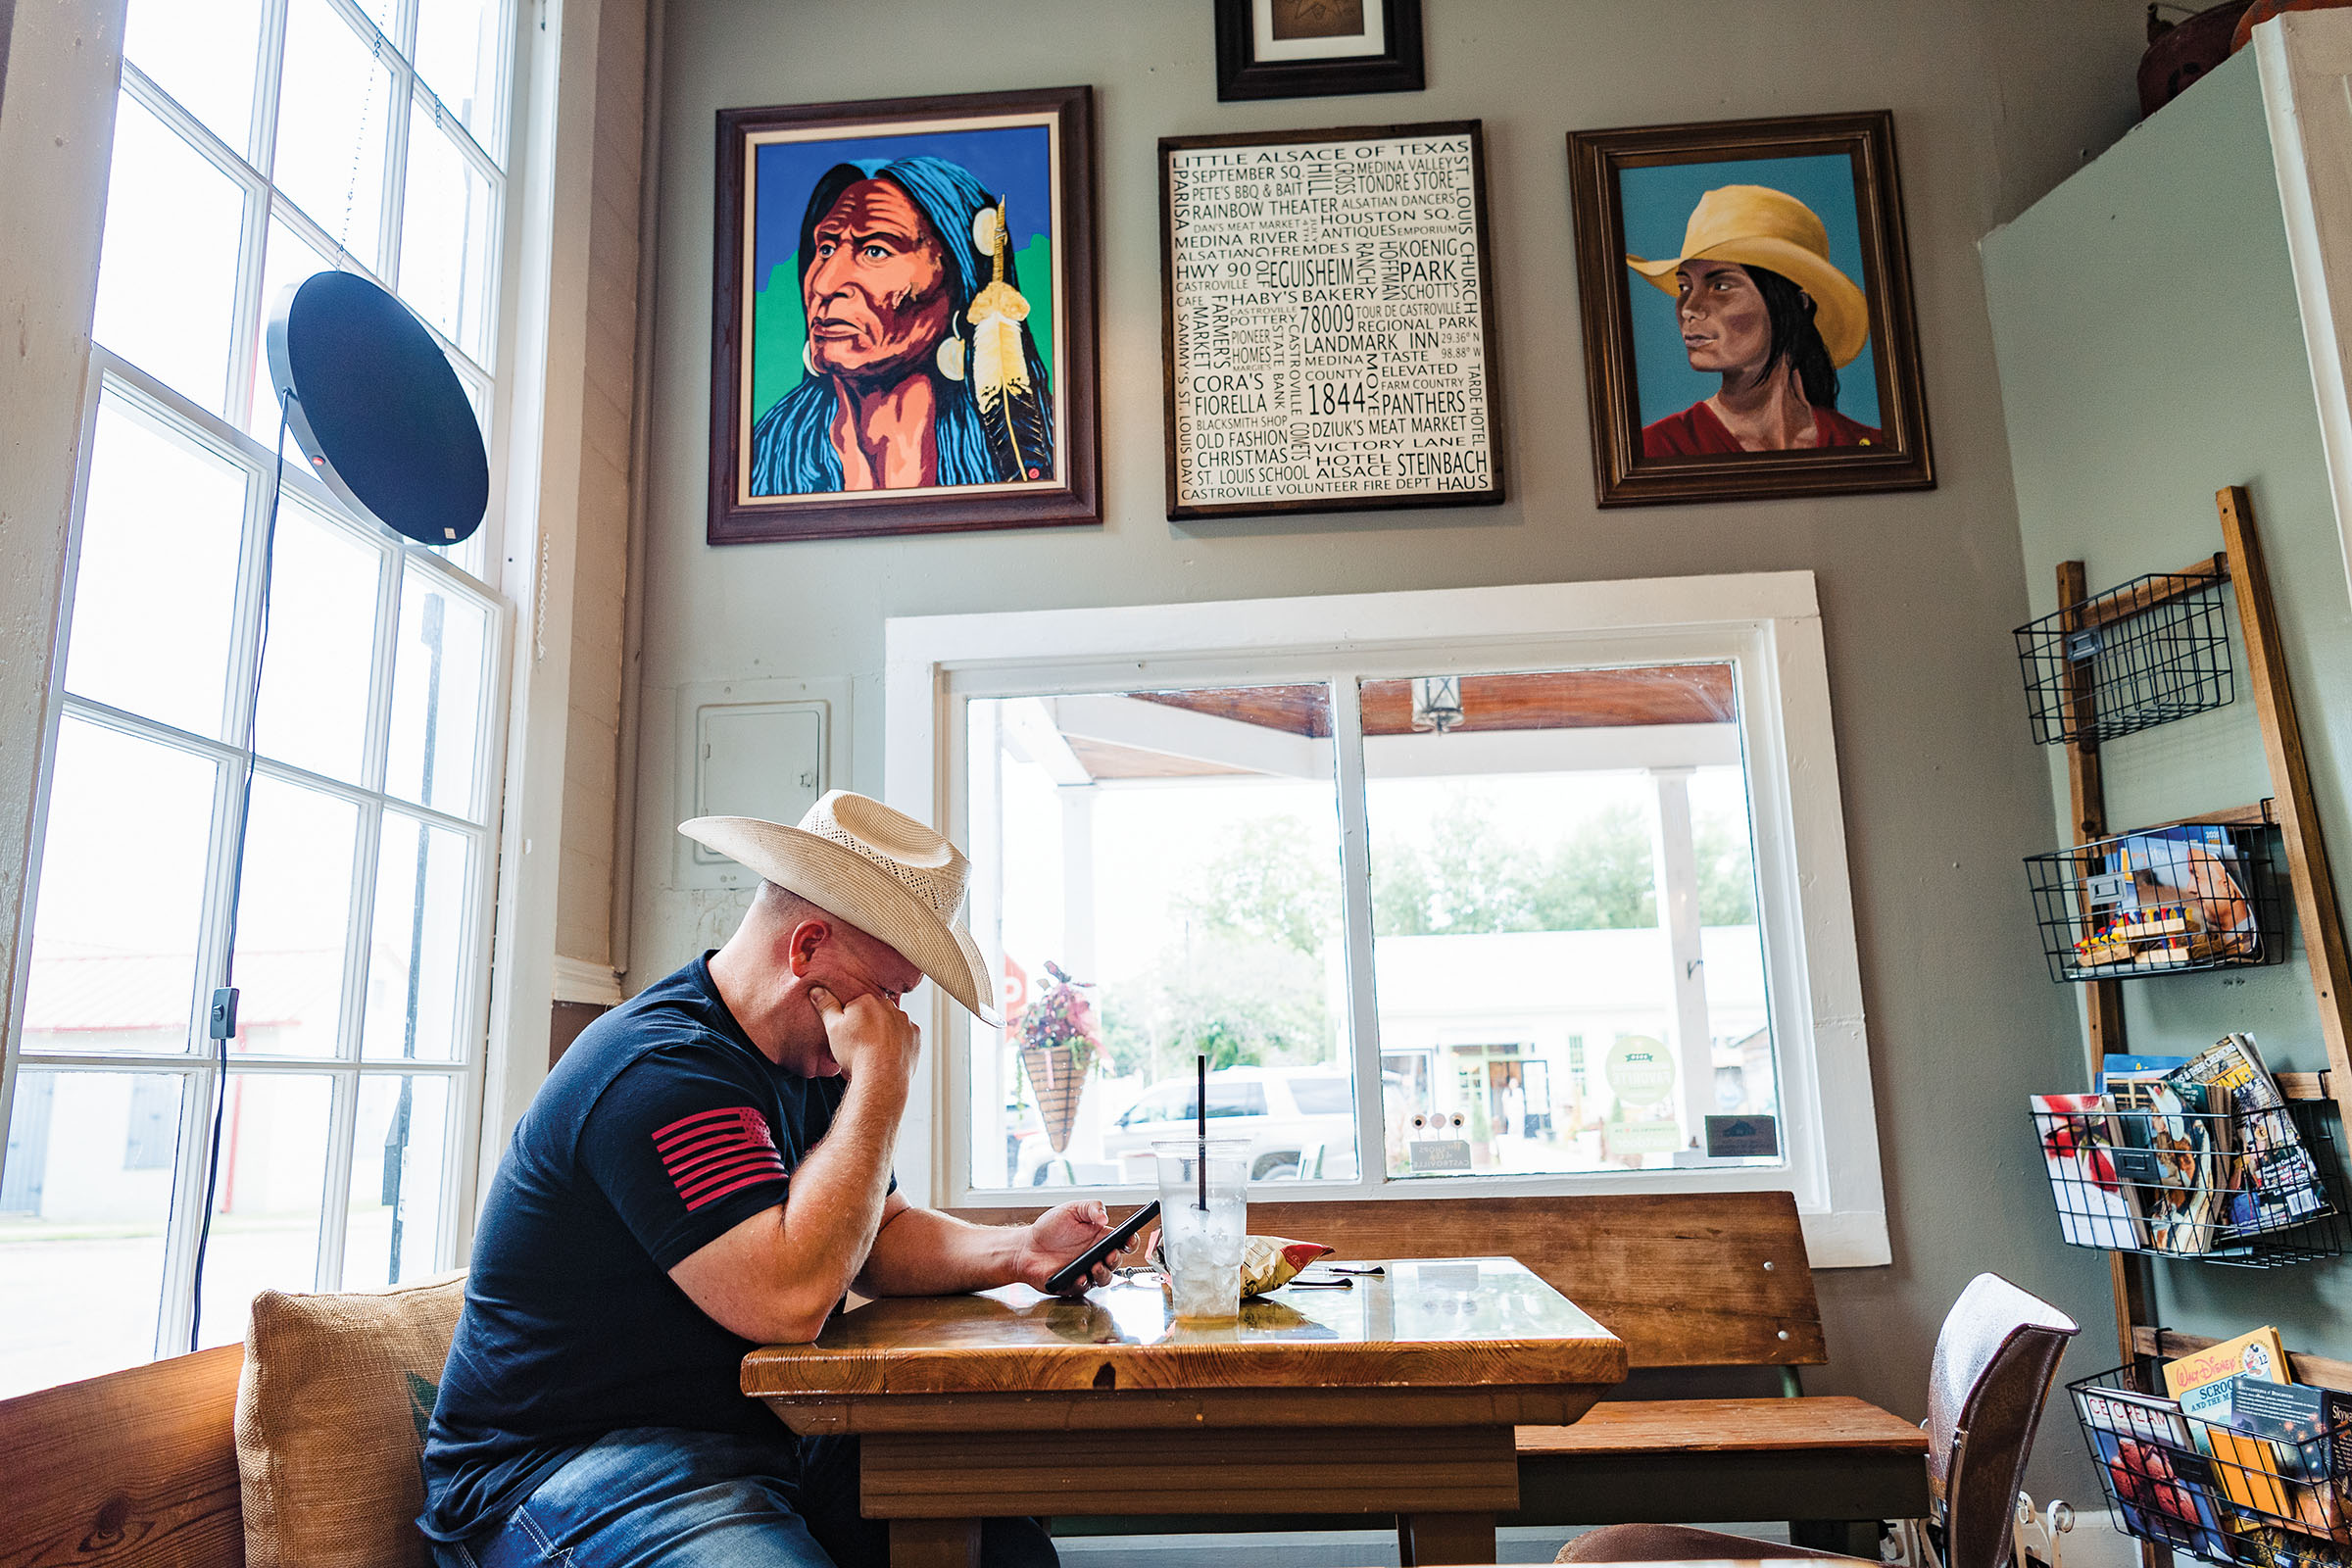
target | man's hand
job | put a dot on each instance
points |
(1059, 1235)
(869, 1037)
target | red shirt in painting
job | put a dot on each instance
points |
(1696, 431)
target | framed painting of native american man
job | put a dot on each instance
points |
(905, 296)
(1748, 316)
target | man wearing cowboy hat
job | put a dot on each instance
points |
(708, 1168)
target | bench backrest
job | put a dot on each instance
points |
(1700, 1279)
(136, 1469)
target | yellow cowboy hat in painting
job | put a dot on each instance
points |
(1758, 227)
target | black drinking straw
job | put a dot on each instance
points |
(1200, 1106)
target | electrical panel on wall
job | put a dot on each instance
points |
(752, 747)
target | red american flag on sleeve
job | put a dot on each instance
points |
(715, 1153)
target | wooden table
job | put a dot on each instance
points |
(1395, 1397)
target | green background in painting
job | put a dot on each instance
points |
(780, 328)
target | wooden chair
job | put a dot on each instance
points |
(1995, 1358)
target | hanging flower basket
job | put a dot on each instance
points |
(1058, 1038)
(1057, 1078)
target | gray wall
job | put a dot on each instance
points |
(1994, 102)
(2147, 361)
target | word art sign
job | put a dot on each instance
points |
(1328, 326)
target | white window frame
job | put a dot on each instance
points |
(1767, 624)
(223, 434)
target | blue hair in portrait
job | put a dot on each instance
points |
(950, 177)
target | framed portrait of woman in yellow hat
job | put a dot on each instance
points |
(1748, 315)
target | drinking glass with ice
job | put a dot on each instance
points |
(1203, 1246)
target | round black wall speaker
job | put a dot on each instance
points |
(377, 409)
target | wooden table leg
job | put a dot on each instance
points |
(1425, 1538)
(936, 1544)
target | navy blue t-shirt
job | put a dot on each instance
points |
(660, 1129)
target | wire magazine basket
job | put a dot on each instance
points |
(2165, 901)
(2268, 1492)
(2254, 1191)
(2147, 653)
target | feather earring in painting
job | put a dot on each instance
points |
(1012, 412)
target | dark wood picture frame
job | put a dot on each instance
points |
(1491, 495)
(1622, 474)
(1242, 75)
(1074, 500)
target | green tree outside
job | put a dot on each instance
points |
(1248, 984)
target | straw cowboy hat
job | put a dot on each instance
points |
(1757, 227)
(891, 877)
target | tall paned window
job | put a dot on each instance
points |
(258, 142)
(1553, 855)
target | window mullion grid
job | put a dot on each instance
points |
(196, 1067)
(213, 937)
(335, 1197)
(173, 1314)
(190, 1175)
(1355, 895)
(396, 162)
(462, 1163)
(252, 231)
(319, 239)
(268, 80)
(264, 768)
(249, 324)
(200, 138)
(244, 1065)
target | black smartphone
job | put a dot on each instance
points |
(1083, 1266)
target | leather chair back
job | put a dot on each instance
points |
(1995, 1358)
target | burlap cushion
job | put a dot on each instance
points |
(331, 1411)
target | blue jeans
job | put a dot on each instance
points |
(659, 1497)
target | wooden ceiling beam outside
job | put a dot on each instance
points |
(1568, 699)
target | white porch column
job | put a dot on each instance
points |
(1676, 859)
(1077, 953)
(984, 841)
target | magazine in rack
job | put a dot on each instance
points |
(2170, 1151)
(2097, 1206)
(2277, 1181)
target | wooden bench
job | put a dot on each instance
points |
(138, 1469)
(1689, 1282)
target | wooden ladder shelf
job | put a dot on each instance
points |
(2296, 810)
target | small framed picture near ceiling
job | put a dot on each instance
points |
(1314, 48)
(1327, 324)
(905, 333)
(1749, 326)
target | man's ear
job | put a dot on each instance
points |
(801, 946)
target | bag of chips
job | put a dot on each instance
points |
(1268, 1262)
